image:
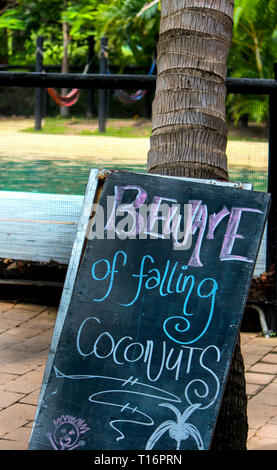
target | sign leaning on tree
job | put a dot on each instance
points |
(189, 137)
(151, 309)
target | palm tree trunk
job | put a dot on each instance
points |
(189, 136)
(189, 127)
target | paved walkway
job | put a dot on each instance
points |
(25, 335)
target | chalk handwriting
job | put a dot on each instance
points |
(184, 319)
(191, 388)
(231, 234)
(156, 359)
(195, 220)
(173, 279)
(129, 371)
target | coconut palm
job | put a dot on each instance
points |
(189, 138)
(180, 430)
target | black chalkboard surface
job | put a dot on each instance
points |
(143, 352)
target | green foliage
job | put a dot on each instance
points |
(12, 21)
(57, 125)
(255, 107)
(132, 39)
(253, 53)
(27, 20)
(254, 46)
(32, 18)
(80, 17)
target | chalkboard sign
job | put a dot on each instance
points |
(141, 356)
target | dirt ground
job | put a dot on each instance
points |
(16, 145)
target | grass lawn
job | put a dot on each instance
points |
(249, 175)
(130, 128)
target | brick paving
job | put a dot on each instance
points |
(25, 336)
(260, 360)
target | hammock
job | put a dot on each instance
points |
(72, 97)
(130, 99)
(137, 96)
(68, 100)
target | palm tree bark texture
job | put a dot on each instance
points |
(189, 138)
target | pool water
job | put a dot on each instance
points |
(48, 176)
(61, 177)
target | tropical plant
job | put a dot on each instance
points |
(24, 20)
(132, 38)
(254, 39)
(80, 16)
(179, 430)
(253, 53)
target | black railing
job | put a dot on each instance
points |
(254, 86)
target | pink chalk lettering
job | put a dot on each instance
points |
(231, 234)
(199, 222)
(214, 221)
(129, 208)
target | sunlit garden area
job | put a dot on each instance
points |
(57, 157)
(163, 327)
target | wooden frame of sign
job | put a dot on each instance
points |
(150, 312)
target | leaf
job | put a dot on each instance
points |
(11, 20)
(237, 15)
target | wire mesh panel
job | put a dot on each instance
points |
(247, 148)
(57, 158)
